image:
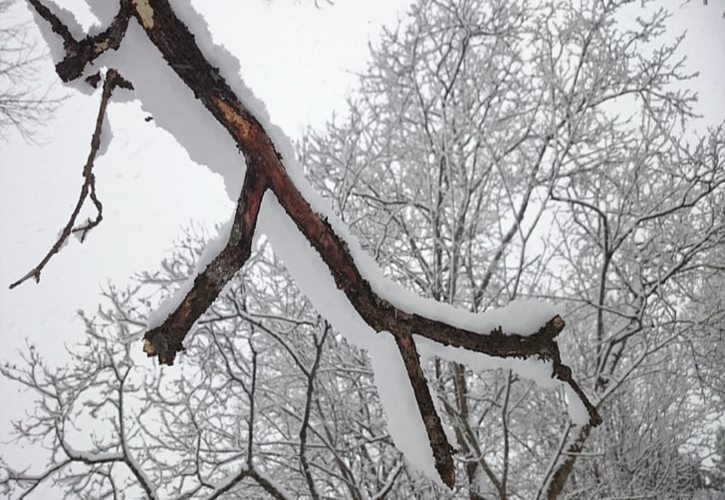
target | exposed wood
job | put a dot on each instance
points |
(165, 340)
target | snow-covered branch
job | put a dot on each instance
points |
(522, 334)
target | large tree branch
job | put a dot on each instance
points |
(265, 170)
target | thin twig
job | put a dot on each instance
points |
(113, 80)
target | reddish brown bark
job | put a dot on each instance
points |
(165, 340)
(265, 170)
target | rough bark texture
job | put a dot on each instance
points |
(265, 170)
(431, 419)
(559, 477)
(166, 340)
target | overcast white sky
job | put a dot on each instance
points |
(298, 59)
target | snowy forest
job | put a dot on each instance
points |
(498, 273)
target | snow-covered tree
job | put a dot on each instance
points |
(268, 400)
(581, 183)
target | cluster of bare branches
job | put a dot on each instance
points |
(24, 106)
(498, 151)
(268, 401)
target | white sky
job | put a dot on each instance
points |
(298, 59)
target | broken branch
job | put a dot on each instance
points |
(81, 53)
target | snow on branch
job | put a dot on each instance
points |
(376, 305)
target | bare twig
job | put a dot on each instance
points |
(113, 80)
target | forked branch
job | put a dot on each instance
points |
(266, 172)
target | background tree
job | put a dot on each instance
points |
(24, 106)
(269, 401)
(509, 150)
(718, 475)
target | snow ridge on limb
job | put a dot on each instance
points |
(374, 304)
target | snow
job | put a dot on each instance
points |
(531, 368)
(404, 423)
(316, 282)
(106, 136)
(105, 11)
(228, 481)
(157, 317)
(311, 274)
(91, 457)
(577, 411)
(174, 108)
(54, 41)
(215, 245)
(213, 248)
